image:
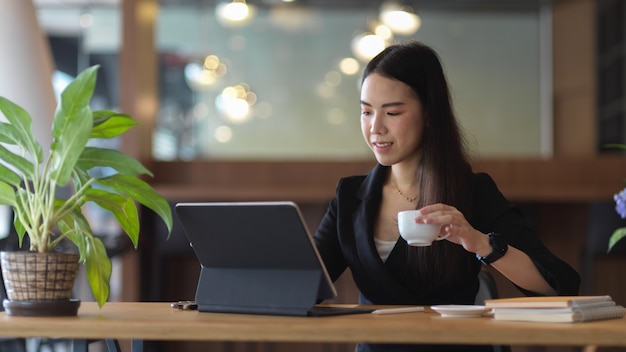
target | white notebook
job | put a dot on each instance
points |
(560, 315)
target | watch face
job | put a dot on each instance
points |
(499, 246)
(498, 243)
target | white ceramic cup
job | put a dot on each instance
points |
(417, 234)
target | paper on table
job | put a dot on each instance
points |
(546, 301)
(576, 315)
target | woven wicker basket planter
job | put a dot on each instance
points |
(39, 281)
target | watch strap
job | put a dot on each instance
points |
(499, 247)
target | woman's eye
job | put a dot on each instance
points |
(365, 113)
(393, 113)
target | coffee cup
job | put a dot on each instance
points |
(417, 234)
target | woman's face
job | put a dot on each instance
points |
(392, 119)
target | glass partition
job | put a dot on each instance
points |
(296, 103)
(275, 88)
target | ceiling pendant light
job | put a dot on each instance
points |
(235, 13)
(400, 19)
(367, 45)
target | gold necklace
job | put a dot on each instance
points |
(408, 199)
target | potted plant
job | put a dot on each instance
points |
(30, 180)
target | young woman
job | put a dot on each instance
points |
(408, 122)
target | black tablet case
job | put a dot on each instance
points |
(256, 257)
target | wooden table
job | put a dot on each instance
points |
(157, 321)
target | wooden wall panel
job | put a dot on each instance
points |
(574, 77)
(553, 180)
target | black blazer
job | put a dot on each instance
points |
(345, 240)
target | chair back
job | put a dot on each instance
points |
(488, 290)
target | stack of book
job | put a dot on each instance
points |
(555, 309)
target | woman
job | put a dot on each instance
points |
(408, 122)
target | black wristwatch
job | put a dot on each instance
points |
(499, 247)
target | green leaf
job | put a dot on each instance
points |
(141, 192)
(80, 177)
(76, 227)
(10, 135)
(98, 269)
(109, 124)
(21, 128)
(76, 96)
(9, 176)
(616, 237)
(103, 157)
(93, 254)
(17, 224)
(124, 210)
(6, 133)
(7, 194)
(21, 164)
(72, 124)
(615, 145)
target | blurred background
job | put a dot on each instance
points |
(258, 100)
(290, 70)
